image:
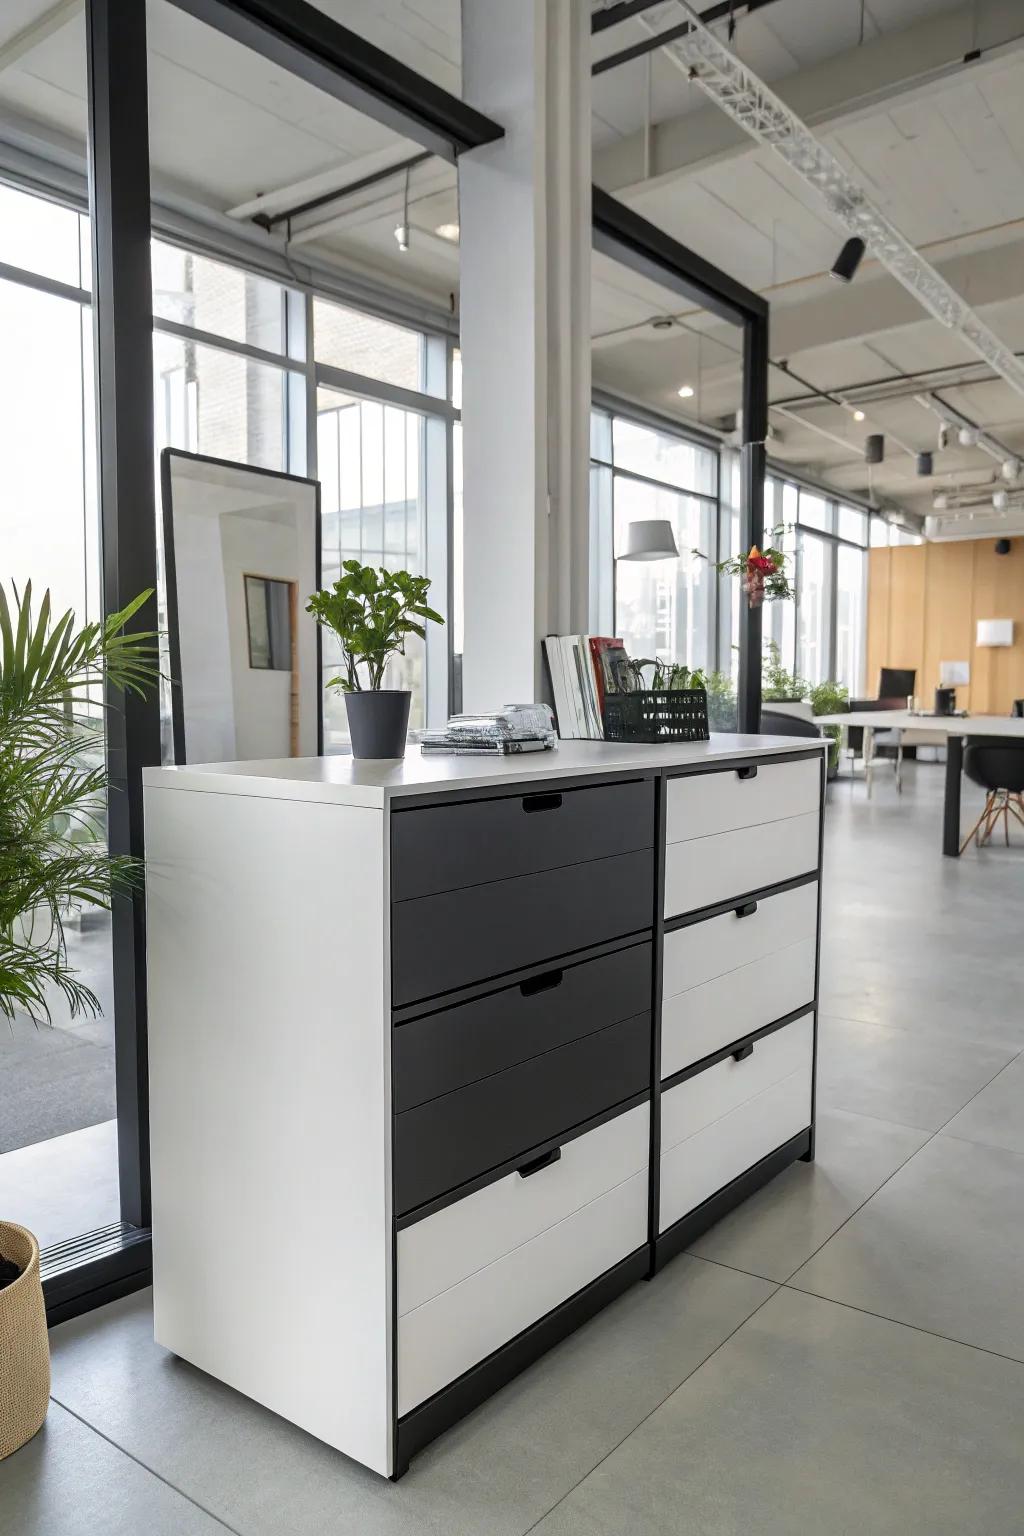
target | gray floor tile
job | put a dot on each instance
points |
(500, 1470)
(996, 1116)
(779, 1228)
(496, 1472)
(69, 1481)
(250, 1468)
(941, 1247)
(894, 1074)
(815, 1420)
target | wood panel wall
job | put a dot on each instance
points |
(924, 603)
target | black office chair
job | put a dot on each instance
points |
(897, 683)
(997, 765)
(1018, 709)
(774, 723)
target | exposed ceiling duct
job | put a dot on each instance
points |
(744, 97)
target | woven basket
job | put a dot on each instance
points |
(24, 1345)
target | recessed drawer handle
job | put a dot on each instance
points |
(744, 1051)
(540, 1162)
(533, 803)
(747, 910)
(748, 771)
(545, 983)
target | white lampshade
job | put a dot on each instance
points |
(650, 539)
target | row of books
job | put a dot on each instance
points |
(583, 670)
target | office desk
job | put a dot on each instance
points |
(955, 729)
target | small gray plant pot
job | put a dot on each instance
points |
(378, 721)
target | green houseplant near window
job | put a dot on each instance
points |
(373, 611)
(53, 858)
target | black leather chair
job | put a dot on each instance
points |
(897, 683)
(996, 764)
(774, 723)
(1018, 709)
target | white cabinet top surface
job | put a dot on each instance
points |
(346, 781)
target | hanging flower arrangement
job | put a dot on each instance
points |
(763, 575)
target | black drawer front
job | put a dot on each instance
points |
(447, 847)
(447, 1050)
(451, 1140)
(458, 937)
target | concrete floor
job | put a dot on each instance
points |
(845, 1354)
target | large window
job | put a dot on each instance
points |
(382, 455)
(662, 609)
(677, 609)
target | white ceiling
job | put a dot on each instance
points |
(941, 151)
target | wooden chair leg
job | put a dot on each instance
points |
(974, 832)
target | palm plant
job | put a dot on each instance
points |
(53, 853)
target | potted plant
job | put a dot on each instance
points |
(372, 611)
(830, 699)
(778, 684)
(53, 857)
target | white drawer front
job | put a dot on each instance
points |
(439, 1251)
(706, 870)
(699, 804)
(447, 1335)
(690, 1106)
(696, 1168)
(709, 1017)
(720, 944)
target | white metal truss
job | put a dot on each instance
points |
(744, 97)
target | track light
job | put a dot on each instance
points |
(849, 259)
(967, 437)
(1000, 500)
(1011, 468)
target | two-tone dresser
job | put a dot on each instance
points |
(445, 1054)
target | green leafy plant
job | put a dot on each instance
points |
(53, 854)
(666, 676)
(777, 682)
(830, 699)
(372, 611)
(721, 702)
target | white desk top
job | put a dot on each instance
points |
(946, 725)
(346, 781)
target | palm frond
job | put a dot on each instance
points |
(53, 855)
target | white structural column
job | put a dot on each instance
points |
(524, 213)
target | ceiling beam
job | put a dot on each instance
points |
(913, 61)
(36, 32)
(305, 41)
(298, 194)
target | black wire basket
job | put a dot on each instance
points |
(656, 714)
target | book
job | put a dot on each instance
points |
(611, 667)
(564, 712)
(574, 685)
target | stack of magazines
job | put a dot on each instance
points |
(514, 729)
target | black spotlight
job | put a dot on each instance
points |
(846, 263)
(1002, 546)
(924, 464)
(874, 448)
